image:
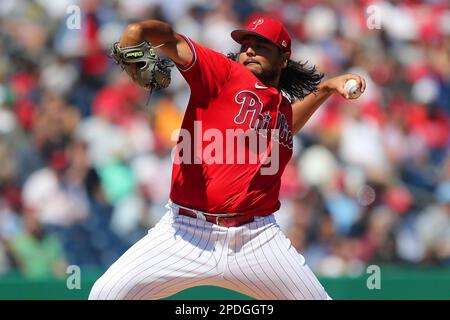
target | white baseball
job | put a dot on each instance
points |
(352, 88)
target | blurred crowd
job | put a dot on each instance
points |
(85, 160)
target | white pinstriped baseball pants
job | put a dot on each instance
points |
(180, 252)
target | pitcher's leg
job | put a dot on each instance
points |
(160, 264)
(266, 266)
(196, 264)
(300, 279)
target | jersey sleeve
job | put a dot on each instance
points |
(207, 73)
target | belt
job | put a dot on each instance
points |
(229, 221)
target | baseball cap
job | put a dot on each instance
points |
(267, 28)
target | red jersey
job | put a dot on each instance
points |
(227, 99)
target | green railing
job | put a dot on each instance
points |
(396, 283)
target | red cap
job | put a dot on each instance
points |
(267, 28)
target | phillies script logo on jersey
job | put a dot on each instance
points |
(283, 135)
(249, 145)
(251, 108)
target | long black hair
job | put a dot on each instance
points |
(297, 80)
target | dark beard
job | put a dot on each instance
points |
(267, 77)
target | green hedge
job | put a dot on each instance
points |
(396, 283)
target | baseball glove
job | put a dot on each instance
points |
(152, 72)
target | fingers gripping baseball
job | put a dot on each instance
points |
(350, 86)
(354, 86)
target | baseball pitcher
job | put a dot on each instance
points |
(234, 144)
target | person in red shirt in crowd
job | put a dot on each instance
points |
(235, 141)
